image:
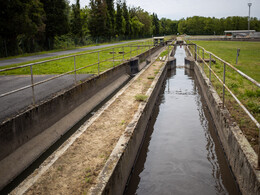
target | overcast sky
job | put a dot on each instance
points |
(177, 9)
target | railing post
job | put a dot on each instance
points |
(258, 160)
(168, 52)
(196, 49)
(150, 54)
(203, 54)
(32, 84)
(210, 67)
(130, 51)
(98, 62)
(123, 53)
(224, 81)
(113, 57)
(75, 74)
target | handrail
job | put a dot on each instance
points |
(69, 72)
(230, 65)
(232, 94)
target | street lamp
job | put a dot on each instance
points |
(249, 5)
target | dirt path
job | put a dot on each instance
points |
(76, 170)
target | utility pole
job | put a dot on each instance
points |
(249, 5)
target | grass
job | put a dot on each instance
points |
(249, 57)
(245, 91)
(62, 49)
(141, 97)
(150, 77)
(67, 64)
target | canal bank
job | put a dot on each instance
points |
(181, 153)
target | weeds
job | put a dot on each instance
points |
(141, 97)
(150, 77)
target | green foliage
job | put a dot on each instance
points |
(20, 18)
(57, 22)
(141, 97)
(119, 18)
(126, 19)
(156, 25)
(98, 18)
(76, 22)
(198, 25)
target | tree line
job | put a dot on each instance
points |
(198, 25)
(35, 25)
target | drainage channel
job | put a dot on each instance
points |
(181, 153)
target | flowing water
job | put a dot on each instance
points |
(181, 153)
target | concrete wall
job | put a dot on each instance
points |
(18, 130)
(240, 154)
(113, 177)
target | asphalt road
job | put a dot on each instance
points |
(13, 104)
(59, 53)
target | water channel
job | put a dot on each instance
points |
(181, 153)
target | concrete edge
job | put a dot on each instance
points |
(114, 175)
(240, 155)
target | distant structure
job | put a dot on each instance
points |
(240, 33)
(158, 40)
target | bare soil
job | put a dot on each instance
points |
(77, 169)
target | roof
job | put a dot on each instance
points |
(239, 31)
(158, 38)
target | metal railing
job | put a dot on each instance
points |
(223, 83)
(123, 55)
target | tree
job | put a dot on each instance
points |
(156, 25)
(145, 19)
(110, 17)
(119, 18)
(22, 19)
(84, 14)
(98, 19)
(57, 22)
(127, 19)
(136, 26)
(76, 22)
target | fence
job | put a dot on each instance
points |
(83, 63)
(228, 71)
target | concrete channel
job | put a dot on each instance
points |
(181, 153)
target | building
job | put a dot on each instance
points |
(239, 33)
(158, 40)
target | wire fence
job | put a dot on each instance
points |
(239, 93)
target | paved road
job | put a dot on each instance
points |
(12, 104)
(59, 53)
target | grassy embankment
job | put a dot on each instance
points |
(247, 93)
(67, 64)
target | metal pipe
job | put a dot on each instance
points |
(33, 95)
(210, 67)
(75, 70)
(236, 99)
(98, 63)
(196, 52)
(234, 68)
(113, 57)
(123, 54)
(224, 82)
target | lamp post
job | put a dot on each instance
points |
(249, 5)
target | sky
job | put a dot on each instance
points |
(177, 9)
